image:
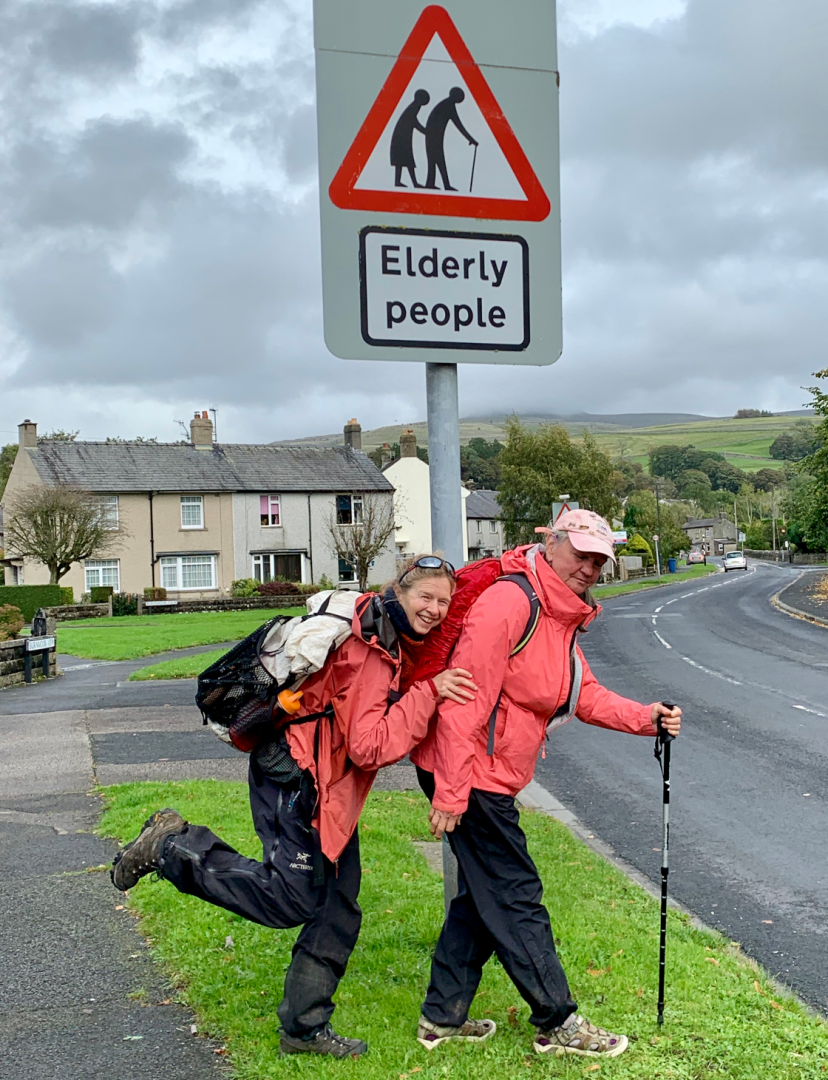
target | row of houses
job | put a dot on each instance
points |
(194, 516)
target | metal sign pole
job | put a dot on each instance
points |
(446, 507)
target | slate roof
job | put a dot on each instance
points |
(131, 467)
(704, 523)
(482, 504)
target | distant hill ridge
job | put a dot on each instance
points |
(607, 424)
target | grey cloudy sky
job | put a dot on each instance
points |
(160, 232)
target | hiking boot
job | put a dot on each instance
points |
(474, 1031)
(325, 1041)
(143, 855)
(579, 1036)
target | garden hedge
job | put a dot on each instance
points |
(30, 597)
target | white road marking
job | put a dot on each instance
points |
(666, 644)
(658, 609)
(673, 600)
(685, 595)
(710, 671)
(813, 712)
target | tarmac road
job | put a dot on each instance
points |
(749, 810)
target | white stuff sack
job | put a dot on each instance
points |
(296, 649)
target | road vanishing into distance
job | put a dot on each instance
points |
(749, 809)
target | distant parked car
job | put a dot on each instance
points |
(734, 560)
(696, 557)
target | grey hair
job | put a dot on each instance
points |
(558, 535)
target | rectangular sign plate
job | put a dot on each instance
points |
(38, 644)
(431, 289)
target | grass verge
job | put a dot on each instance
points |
(604, 592)
(723, 1016)
(185, 667)
(132, 636)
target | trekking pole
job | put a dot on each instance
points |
(474, 162)
(662, 747)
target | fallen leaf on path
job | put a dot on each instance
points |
(119, 907)
(758, 988)
(220, 1050)
(775, 1004)
(768, 922)
(511, 1015)
(712, 960)
(591, 1068)
(595, 972)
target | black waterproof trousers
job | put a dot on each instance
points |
(497, 910)
(293, 885)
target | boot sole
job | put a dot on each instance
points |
(431, 1044)
(559, 1051)
(289, 1048)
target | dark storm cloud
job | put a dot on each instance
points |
(104, 178)
(164, 243)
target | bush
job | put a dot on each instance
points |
(637, 545)
(28, 598)
(11, 622)
(278, 588)
(155, 593)
(326, 583)
(125, 603)
(308, 590)
(67, 594)
(101, 593)
(247, 586)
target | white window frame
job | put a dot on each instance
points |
(355, 511)
(493, 526)
(192, 501)
(272, 501)
(176, 564)
(352, 580)
(110, 512)
(96, 567)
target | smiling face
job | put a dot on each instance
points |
(578, 570)
(426, 603)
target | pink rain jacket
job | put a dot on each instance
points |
(534, 684)
(366, 732)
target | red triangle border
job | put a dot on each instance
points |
(343, 191)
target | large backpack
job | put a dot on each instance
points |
(472, 581)
(242, 692)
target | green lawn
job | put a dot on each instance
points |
(687, 573)
(723, 1017)
(186, 667)
(133, 636)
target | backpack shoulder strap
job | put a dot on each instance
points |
(523, 583)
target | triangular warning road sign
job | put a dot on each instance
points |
(458, 158)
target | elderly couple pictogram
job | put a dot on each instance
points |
(402, 139)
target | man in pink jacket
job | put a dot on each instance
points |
(476, 759)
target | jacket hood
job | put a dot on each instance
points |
(373, 625)
(556, 598)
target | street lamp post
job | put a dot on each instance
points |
(658, 556)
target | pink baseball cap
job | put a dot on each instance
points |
(587, 532)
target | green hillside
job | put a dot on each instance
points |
(745, 443)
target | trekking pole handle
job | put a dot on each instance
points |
(664, 735)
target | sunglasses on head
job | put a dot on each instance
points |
(429, 562)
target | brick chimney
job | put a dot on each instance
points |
(385, 455)
(408, 443)
(353, 434)
(27, 434)
(201, 431)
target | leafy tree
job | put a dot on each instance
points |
(538, 466)
(59, 526)
(59, 435)
(628, 476)
(359, 544)
(749, 414)
(759, 535)
(810, 503)
(768, 479)
(670, 460)
(7, 456)
(480, 462)
(694, 484)
(796, 444)
(644, 516)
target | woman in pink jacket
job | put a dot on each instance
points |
(476, 759)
